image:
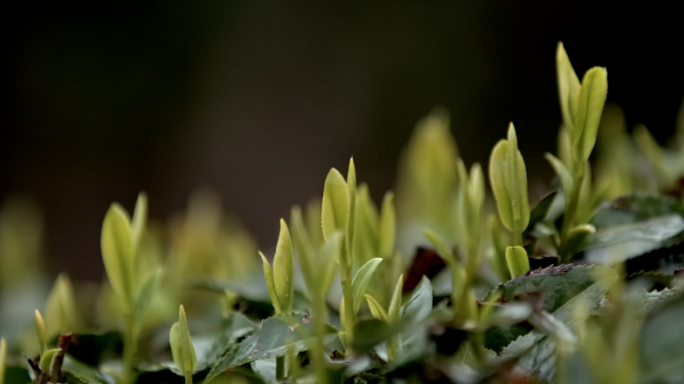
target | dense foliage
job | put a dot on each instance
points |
(438, 284)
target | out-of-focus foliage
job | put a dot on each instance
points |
(452, 285)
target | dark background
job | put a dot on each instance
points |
(259, 99)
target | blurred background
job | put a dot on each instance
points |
(257, 100)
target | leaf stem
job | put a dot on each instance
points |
(280, 368)
(129, 350)
(571, 205)
(319, 317)
(350, 315)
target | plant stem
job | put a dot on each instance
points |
(517, 238)
(455, 294)
(319, 317)
(188, 379)
(571, 205)
(129, 350)
(280, 368)
(350, 316)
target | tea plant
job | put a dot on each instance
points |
(449, 286)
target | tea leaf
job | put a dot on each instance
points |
(232, 329)
(117, 254)
(563, 286)
(268, 275)
(387, 226)
(303, 248)
(649, 146)
(351, 211)
(46, 359)
(419, 305)
(517, 260)
(60, 309)
(3, 359)
(335, 209)
(622, 242)
(143, 300)
(181, 345)
(376, 309)
(328, 263)
(41, 331)
(395, 303)
(662, 345)
(361, 280)
(283, 269)
(271, 341)
(563, 173)
(568, 87)
(139, 220)
(366, 241)
(509, 182)
(592, 98)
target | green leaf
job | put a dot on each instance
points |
(517, 260)
(568, 87)
(143, 300)
(419, 305)
(509, 182)
(303, 248)
(441, 247)
(351, 211)
(427, 180)
(46, 359)
(393, 311)
(60, 309)
(563, 287)
(268, 275)
(328, 263)
(387, 226)
(271, 341)
(662, 345)
(649, 301)
(139, 220)
(77, 372)
(181, 345)
(266, 370)
(635, 207)
(233, 328)
(361, 280)
(592, 98)
(539, 212)
(563, 173)
(13, 374)
(366, 242)
(41, 331)
(117, 254)
(651, 149)
(376, 309)
(619, 243)
(283, 269)
(335, 207)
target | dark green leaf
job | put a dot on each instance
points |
(562, 286)
(233, 328)
(622, 242)
(538, 213)
(270, 341)
(662, 345)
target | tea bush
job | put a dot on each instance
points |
(438, 284)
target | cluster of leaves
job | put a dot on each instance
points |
(445, 287)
